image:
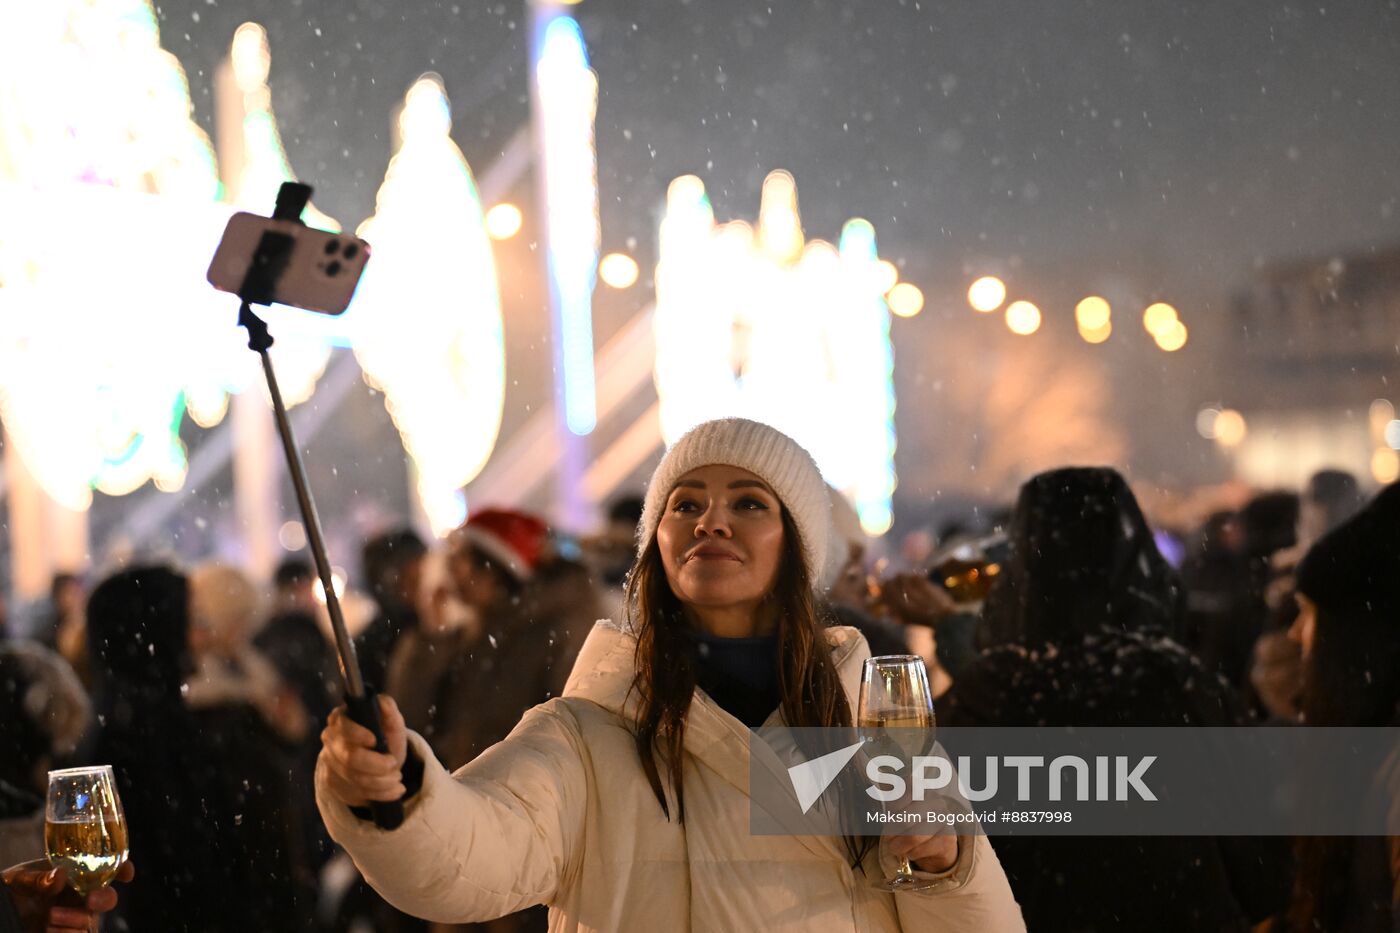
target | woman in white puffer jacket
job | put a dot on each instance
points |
(624, 804)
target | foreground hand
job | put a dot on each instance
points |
(355, 773)
(932, 854)
(45, 903)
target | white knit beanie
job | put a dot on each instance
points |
(767, 453)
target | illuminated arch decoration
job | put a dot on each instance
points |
(764, 324)
(427, 316)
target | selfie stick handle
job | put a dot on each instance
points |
(268, 261)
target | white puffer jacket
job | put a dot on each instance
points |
(561, 813)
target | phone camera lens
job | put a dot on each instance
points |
(333, 267)
(332, 246)
(351, 250)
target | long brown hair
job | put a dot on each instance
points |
(811, 690)
(1351, 678)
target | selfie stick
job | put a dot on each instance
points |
(269, 259)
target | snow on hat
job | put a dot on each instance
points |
(767, 453)
(512, 540)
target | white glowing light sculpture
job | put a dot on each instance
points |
(302, 347)
(109, 211)
(568, 101)
(766, 325)
(95, 348)
(427, 316)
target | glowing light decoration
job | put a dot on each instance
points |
(96, 137)
(1093, 316)
(986, 294)
(1022, 318)
(300, 352)
(795, 333)
(427, 316)
(94, 123)
(618, 270)
(905, 299)
(1385, 465)
(1159, 318)
(504, 221)
(1172, 337)
(568, 100)
(887, 276)
(1229, 428)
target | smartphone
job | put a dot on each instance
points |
(322, 268)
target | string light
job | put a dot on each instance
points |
(905, 300)
(618, 270)
(1022, 318)
(504, 221)
(986, 294)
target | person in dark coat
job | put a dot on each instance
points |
(393, 567)
(292, 641)
(1348, 592)
(180, 819)
(1077, 624)
(465, 688)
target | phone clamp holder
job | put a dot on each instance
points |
(259, 283)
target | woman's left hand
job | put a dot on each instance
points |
(932, 854)
(40, 894)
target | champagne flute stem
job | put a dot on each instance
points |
(904, 872)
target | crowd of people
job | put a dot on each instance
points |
(552, 761)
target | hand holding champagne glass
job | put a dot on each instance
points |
(84, 827)
(895, 717)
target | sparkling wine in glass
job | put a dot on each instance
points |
(895, 717)
(84, 827)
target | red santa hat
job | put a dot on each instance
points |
(513, 541)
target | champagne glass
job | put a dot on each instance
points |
(895, 717)
(84, 827)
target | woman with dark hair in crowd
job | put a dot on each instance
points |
(1349, 628)
(1076, 635)
(624, 804)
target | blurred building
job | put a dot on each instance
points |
(1316, 349)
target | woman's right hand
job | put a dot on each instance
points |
(355, 773)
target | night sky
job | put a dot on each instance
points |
(1134, 148)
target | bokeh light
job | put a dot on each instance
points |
(1382, 413)
(986, 294)
(1205, 422)
(1092, 314)
(1171, 338)
(1230, 428)
(618, 270)
(504, 221)
(1096, 335)
(1385, 465)
(1022, 318)
(1159, 318)
(886, 276)
(905, 300)
(292, 535)
(1392, 435)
